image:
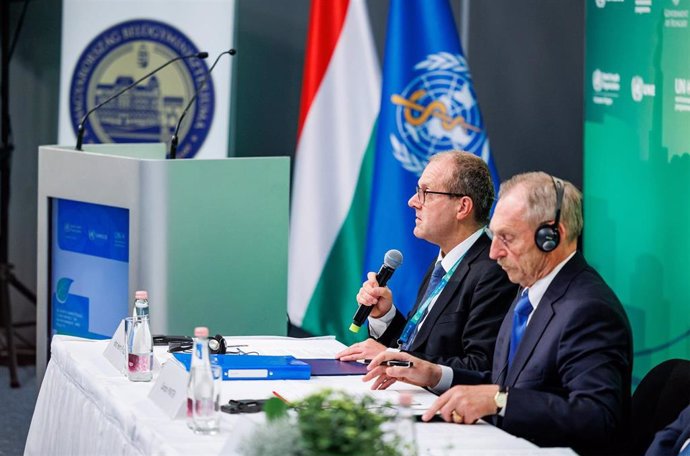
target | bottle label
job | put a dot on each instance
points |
(139, 363)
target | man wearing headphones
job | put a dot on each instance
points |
(563, 359)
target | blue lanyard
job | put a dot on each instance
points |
(412, 322)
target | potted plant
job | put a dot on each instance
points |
(325, 423)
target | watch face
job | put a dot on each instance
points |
(501, 399)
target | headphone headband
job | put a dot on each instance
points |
(560, 190)
(547, 236)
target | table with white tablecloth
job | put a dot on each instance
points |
(87, 407)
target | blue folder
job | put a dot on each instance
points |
(252, 367)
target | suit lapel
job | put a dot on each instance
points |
(541, 317)
(449, 291)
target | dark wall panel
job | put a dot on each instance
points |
(527, 63)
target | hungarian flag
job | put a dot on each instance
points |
(333, 164)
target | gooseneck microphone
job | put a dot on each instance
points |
(174, 140)
(80, 128)
(391, 261)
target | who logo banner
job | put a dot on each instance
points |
(108, 45)
(437, 111)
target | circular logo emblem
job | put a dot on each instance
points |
(637, 88)
(149, 111)
(597, 80)
(600, 3)
(437, 111)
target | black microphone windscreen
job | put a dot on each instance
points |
(232, 52)
(202, 55)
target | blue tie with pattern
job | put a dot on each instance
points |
(436, 277)
(520, 316)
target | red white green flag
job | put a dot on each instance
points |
(333, 164)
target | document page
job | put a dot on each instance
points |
(311, 347)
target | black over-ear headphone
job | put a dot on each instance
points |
(547, 236)
(216, 345)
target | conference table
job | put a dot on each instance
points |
(87, 407)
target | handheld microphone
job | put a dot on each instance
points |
(80, 128)
(174, 140)
(391, 261)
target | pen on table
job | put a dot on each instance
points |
(390, 363)
(275, 393)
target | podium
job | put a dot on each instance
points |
(206, 238)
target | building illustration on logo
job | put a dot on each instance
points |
(139, 115)
(149, 111)
(437, 111)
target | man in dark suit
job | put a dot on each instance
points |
(457, 313)
(674, 439)
(563, 359)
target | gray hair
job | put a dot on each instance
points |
(470, 176)
(541, 200)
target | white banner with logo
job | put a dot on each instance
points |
(109, 44)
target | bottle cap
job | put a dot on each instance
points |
(141, 294)
(201, 331)
(405, 399)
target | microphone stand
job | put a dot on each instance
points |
(80, 128)
(175, 138)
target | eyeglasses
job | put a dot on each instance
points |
(421, 194)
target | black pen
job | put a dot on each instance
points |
(390, 363)
(397, 363)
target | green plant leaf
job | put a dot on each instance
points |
(275, 409)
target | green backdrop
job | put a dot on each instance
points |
(637, 167)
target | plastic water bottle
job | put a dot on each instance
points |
(141, 304)
(140, 342)
(202, 403)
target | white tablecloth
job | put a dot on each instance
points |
(86, 407)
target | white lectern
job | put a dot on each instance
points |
(206, 238)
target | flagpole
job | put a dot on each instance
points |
(465, 26)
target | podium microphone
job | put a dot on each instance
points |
(391, 261)
(80, 129)
(174, 140)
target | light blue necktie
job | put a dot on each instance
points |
(520, 316)
(435, 279)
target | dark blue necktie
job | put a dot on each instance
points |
(520, 316)
(435, 279)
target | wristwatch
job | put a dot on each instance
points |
(501, 398)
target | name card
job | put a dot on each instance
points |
(116, 350)
(169, 392)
